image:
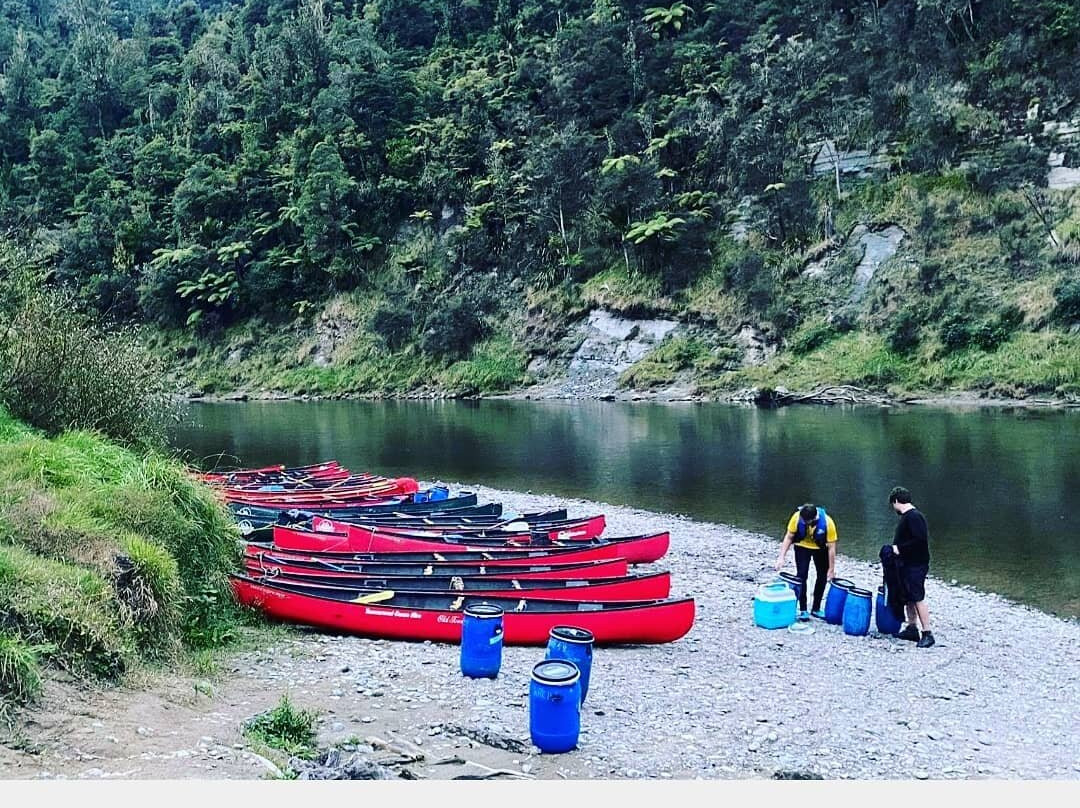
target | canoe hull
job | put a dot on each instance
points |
(636, 550)
(656, 586)
(570, 530)
(589, 570)
(657, 622)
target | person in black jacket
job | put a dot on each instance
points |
(911, 543)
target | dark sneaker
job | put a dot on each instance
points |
(803, 616)
(909, 633)
(927, 640)
(818, 613)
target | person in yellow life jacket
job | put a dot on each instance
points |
(813, 533)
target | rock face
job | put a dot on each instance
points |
(333, 328)
(755, 347)
(1061, 177)
(878, 247)
(874, 247)
(609, 345)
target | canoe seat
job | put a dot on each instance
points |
(375, 597)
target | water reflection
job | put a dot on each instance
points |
(997, 486)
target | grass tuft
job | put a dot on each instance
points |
(20, 674)
(285, 727)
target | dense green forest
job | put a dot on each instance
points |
(451, 184)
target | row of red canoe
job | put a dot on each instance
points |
(387, 581)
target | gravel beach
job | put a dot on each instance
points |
(995, 698)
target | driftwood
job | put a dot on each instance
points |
(489, 773)
(830, 394)
(488, 738)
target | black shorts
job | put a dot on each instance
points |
(914, 580)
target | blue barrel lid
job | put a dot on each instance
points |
(484, 610)
(843, 583)
(790, 576)
(860, 593)
(556, 672)
(572, 634)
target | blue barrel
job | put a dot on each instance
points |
(834, 602)
(886, 620)
(793, 581)
(857, 607)
(482, 641)
(576, 645)
(554, 705)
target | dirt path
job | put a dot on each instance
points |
(177, 727)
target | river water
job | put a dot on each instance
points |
(1000, 488)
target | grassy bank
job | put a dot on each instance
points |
(336, 352)
(1027, 364)
(108, 557)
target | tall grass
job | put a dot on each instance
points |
(62, 370)
(20, 674)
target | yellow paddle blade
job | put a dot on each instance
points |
(375, 597)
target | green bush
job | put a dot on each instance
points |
(495, 365)
(147, 584)
(452, 329)
(902, 331)
(59, 370)
(1011, 165)
(962, 329)
(811, 336)
(1067, 308)
(285, 727)
(394, 321)
(664, 363)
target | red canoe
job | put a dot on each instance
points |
(635, 549)
(298, 564)
(424, 616)
(654, 586)
(563, 530)
(510, 556)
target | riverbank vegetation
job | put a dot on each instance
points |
(380, 196)
(111, 554)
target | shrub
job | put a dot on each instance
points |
(394, 321)
(69, 609)
(1011, 165)
(59, 370)
(811, 337)
(285, 727)
(957, 330)
(495, 365)
(661, 365)
(902, 331)
(963, 329)
(452, 329)
(1067, 309)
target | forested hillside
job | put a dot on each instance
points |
(347, 196)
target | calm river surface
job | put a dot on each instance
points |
(1000, 489)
